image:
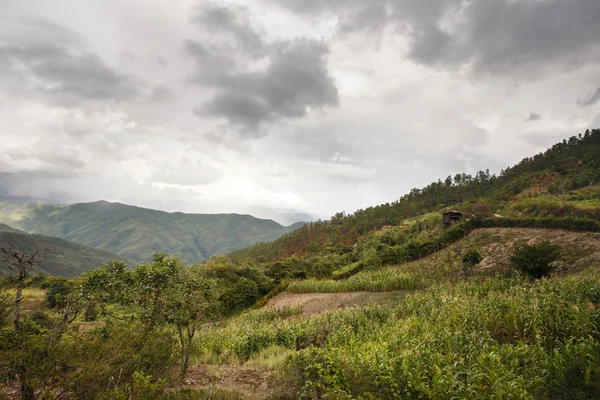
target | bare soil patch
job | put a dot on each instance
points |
(579, 250)
(315, 303)
(250, 382)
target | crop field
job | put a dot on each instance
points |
(496, 338)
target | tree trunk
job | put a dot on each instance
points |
(18, 299)
(27, 391)
(186, 346)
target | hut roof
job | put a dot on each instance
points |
(451, 212)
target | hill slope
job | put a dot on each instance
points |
(136, 233)
(58, 257)
(564, 181)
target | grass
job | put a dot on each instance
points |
(385, 280)
(493, 338)
(33, 300)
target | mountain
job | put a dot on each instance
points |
(57, 256)
(10, 229)
(136, 233)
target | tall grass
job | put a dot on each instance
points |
(384, 280)
(497, 338)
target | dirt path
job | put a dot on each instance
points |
(315, 303)
(249, 382)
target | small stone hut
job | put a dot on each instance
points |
(451, 217)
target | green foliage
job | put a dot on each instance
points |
(385, 280)
(497, 338)
(241, 286)
(576, 161)
(535, 260)
(56, 293)
(112, 360)
(471, 258)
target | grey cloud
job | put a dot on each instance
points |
(231, 23)
(161, 93)
(590, 99)
(211, 63)
(56, 63)
(596, 122)
(295, 77)
(533, 116)
(488, 36)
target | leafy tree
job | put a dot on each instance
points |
(192, 301)
(160, 294)
(535, 260)
(57, 292)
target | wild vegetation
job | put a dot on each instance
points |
(504, 337)
(503, 304)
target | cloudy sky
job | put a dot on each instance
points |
(314, 106)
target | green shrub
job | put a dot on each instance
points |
(41, 319)
(535, 260)
(91, 313)
(57, 292)
(471, 258)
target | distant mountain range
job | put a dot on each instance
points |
(136, 233)
(57, 256)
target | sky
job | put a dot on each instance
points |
(273, 107)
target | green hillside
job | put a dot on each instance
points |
(564, 181)
(58, 257)
(136, 233)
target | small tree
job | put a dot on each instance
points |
(192, 301)
(19, 262)
(535, 260)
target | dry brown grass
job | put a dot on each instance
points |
(579, 250)
(316, 303)
(33, 300)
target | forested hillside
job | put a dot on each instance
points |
(57, 256)
(563, 181)
(136, 233)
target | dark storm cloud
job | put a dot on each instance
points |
(294, 79)
(489, 36)
(533, 116)
(590, 99)
(55, 62)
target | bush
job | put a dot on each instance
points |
(535, 260)
(57, 293)
(41, 319)
(91, 313)
(471, 258)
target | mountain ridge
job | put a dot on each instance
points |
(137, 232)
(58, 256)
